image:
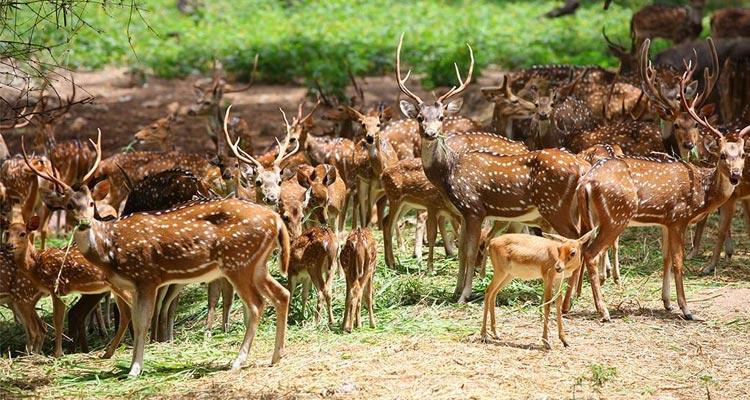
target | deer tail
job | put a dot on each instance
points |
(283, 238)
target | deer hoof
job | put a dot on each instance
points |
(689, 317)
(708, 270)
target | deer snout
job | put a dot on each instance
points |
(735, 174)
(271, 199)
(559, 266)
(370, 139)
(543, 116)
(226, 175)
(688, 144)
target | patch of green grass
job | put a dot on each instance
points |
(314, 40)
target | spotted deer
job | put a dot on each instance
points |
(17, 291)
(677, 24)
(196, 241)
(208, 105)
(484, 185)
(327, 194)
(730, 23)
(552, 259)
(158, 133)
(679, 130)
(509, 107)
(556, 117)
(58, 272)
(626, 191)
(358, 259)
(312, 259)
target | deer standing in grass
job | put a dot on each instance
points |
(312, 259)
(58, 272)
(195, 242)
(626, 191)
(358, 259)
(484, 185)
(527, 257)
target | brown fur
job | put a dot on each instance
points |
(358, 259)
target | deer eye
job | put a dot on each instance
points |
(285, 218)
(536, 104)
(22, 235)
(441, 118)
(378, 126)
(258, 182)
(723, 156)
(364, 126)
(572, 253)
(514, 101)
(420, 118)
(70, 206)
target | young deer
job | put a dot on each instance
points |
(527, 257)
(158, 133)
(482, 184)
(623, 191)
(58, 274)
(327, 193)
(195, 242)
(358, 259)
(312, 259)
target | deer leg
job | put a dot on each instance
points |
(419, 234)
(44, 218)
(499, 280)
(166, 316)
(363, 192)
(616, 261)
(213, 300)
(227, 298)
(546, 299)
(746, 214)
(77, 319)
(391, 220)
(496, 227)
(558, 307)
(306, 286)
(124, 311)
(31, 322)
(726, 212)
(158, 300)
(450, 248)
(58, 318)
(698, 237)
(320, 292)
(280, 299)
(255, 305)
(344, 212)
(346, 323)
(328, 285)
(101, 326)
(677, 252)
(144, 300)
(358, 306)
(666, 258)
(432, 227)
(370, 302)
(471, 229)
(107, 310)
(381, 204)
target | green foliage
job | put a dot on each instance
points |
(310, 39)
(598, 375)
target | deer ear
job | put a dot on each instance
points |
(330, 175)
(100, 191)
(554, 237)
(33, 223)
(491, 94)
(4, 224)
(387, 114)
(691, 89)
(52, 199)
(707, 110)
(408, 109)
(585, 238)
(303, 179)
(454, 106)
(308, 195)
(711, 144)
(308, 122)
(214, 160)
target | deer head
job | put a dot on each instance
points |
(78, 200)
(158, 132)
(370, 123)
(569, 252)
(317, 182)
(430, 116)
(18, 238)
(267, 180)
(208, 98)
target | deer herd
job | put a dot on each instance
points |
(578, 153)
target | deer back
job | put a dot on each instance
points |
(313, 252)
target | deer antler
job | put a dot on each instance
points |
(402, 82)
(648, 76)
(285, 144)
(709, 78)
(690, 108)
(238, 152)
(229, 89)
(462, 84)
(57, 182)
(98, 149)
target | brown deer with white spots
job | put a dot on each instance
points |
(358, 259)
(208, 105)
(484, 185)
(293, 204)
(677, 24)
(158, 133)
(509, 107)
(527, 257)
(627, 191)
(18, 292)
(313, 256)
(58, 272)
(195, 242)
(730, 23)
(327, 194)
(676, 121)
(556, 117)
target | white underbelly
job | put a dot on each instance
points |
(530, 216)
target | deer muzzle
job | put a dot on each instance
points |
(688, 144)
(735, 174)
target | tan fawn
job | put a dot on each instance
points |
(58, 272)
(197, 241)
(528, 257)
(312, 259)
(358, 259)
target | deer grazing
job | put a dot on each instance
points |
(678, 24)
(358, 259)
(482, 184)
(58, 272)
(194, 242)
(730, 23)
(625, 191)
(312, 259)
(527, 257)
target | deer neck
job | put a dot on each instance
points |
(717, 187)
(437, 159)
(28, 258)
(381, 155)
(345, 129)
(95, 242)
